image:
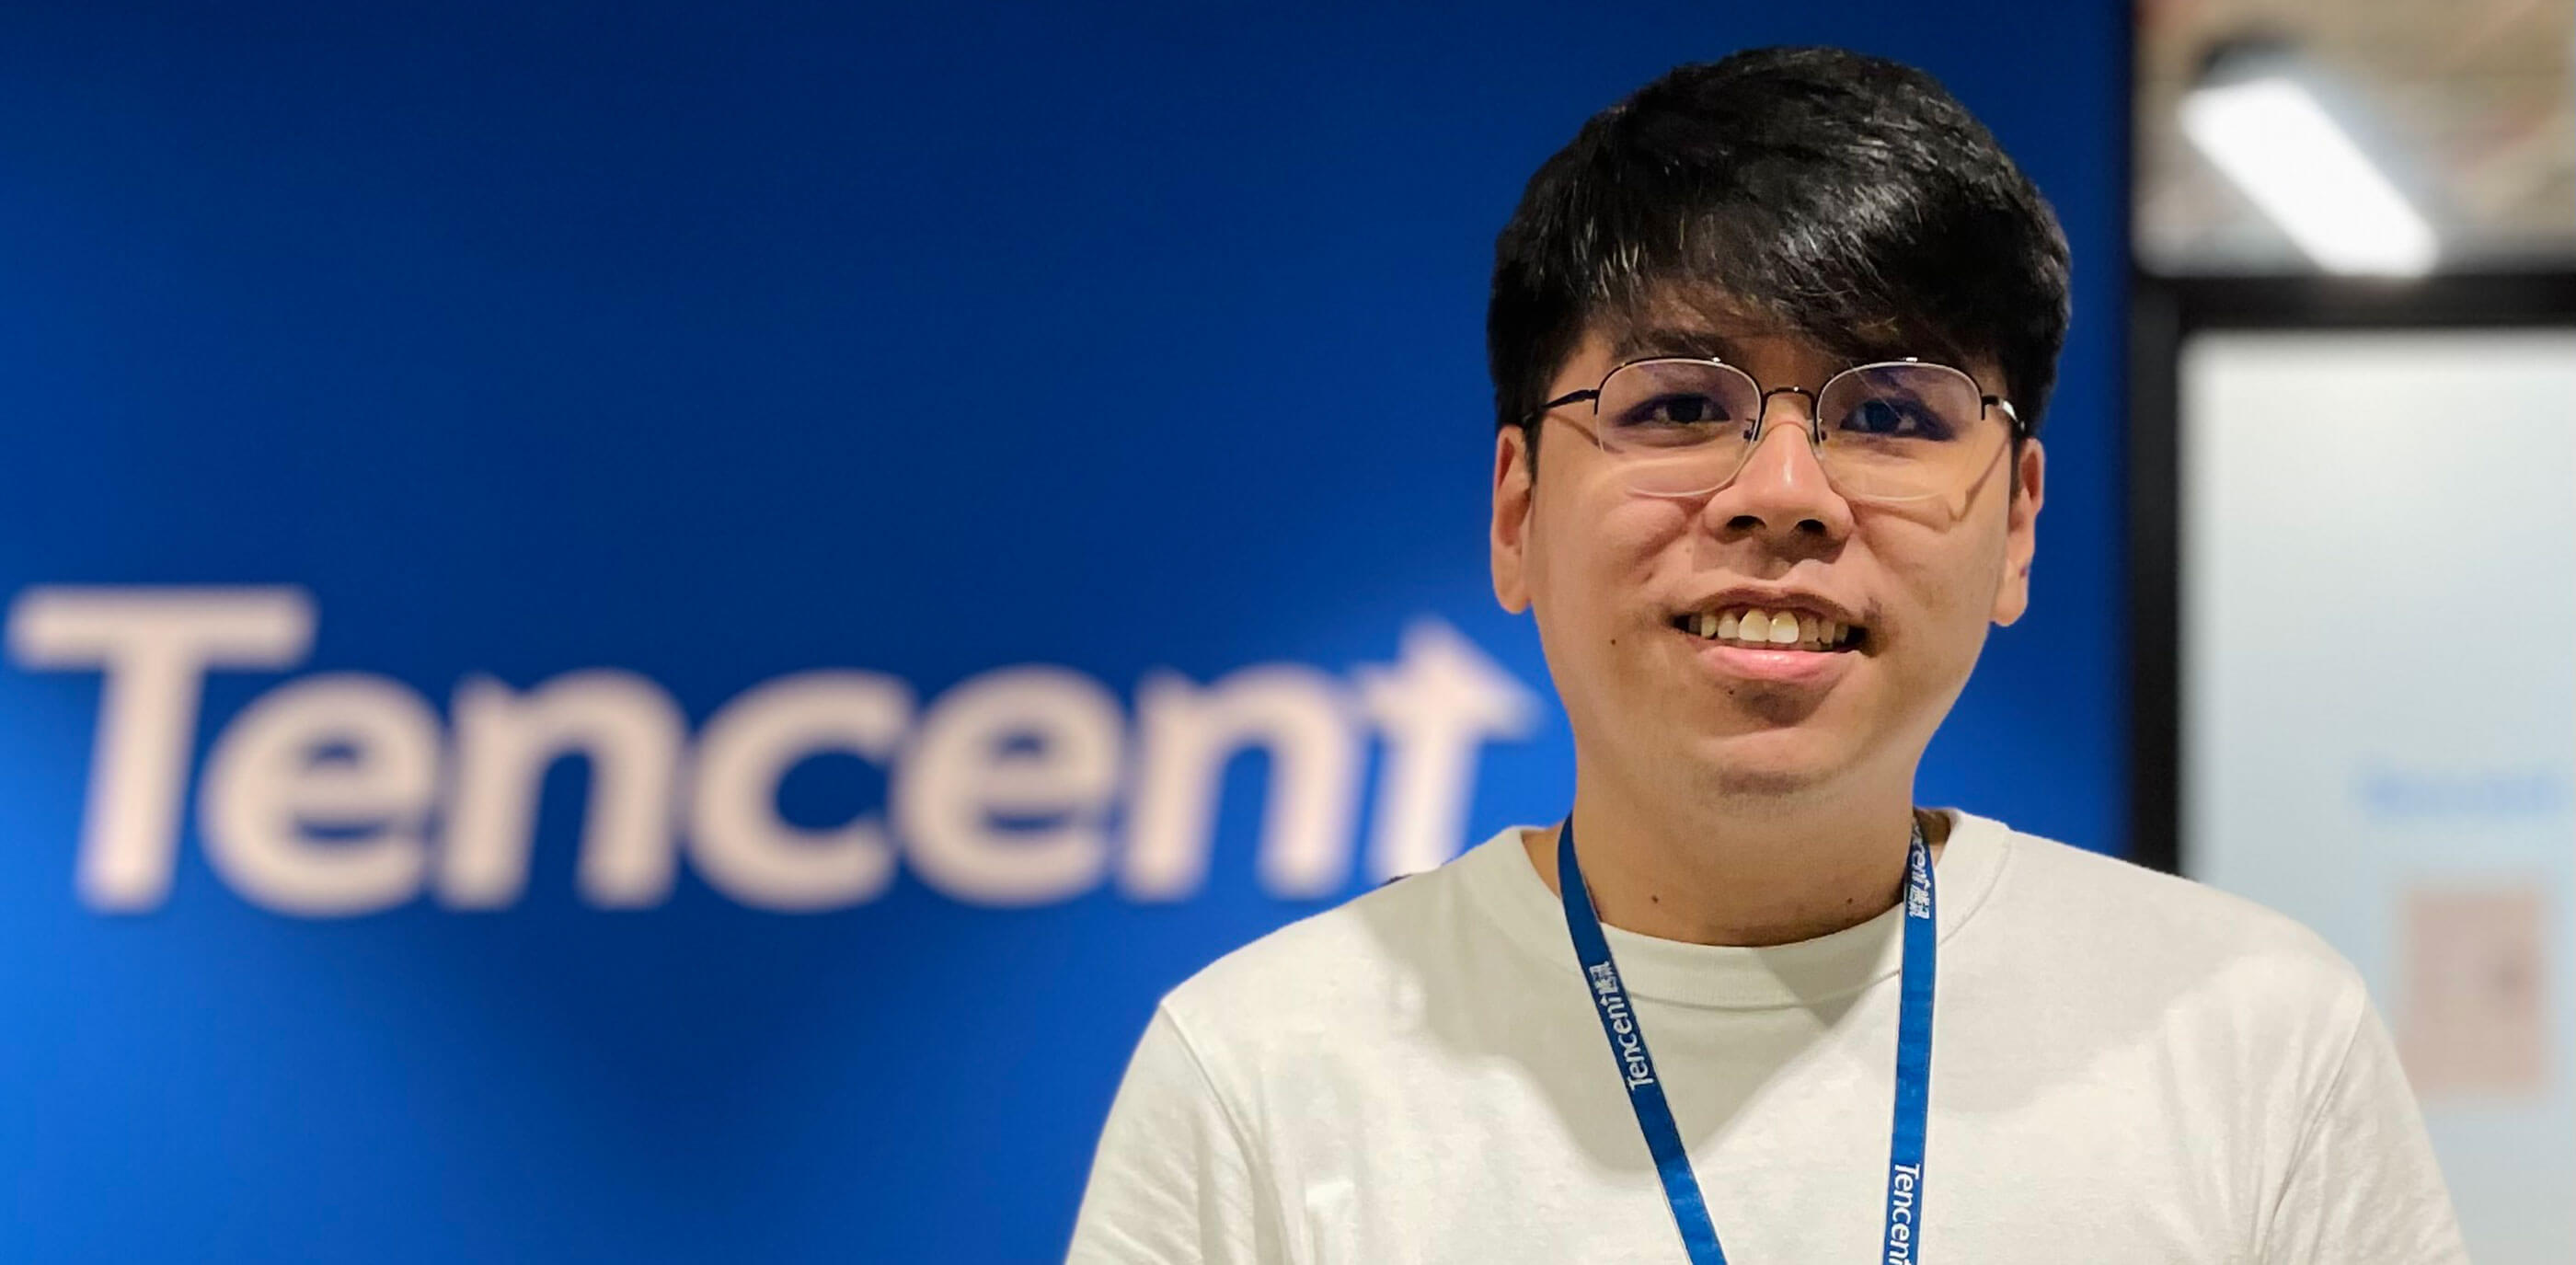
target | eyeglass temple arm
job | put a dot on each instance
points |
(2019, 429)
(1570, 397)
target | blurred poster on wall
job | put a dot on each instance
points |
(2379, 721)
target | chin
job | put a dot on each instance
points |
(1771, 762)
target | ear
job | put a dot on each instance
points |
(2021, 533)
(1512, 499)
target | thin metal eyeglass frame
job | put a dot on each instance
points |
(1815, 423)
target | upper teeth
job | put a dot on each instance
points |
(1754, 626)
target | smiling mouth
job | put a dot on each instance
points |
(1776, 629)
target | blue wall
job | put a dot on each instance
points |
(724, 344)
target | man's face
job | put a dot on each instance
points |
(1610, 572)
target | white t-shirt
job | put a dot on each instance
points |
(2126, 1067)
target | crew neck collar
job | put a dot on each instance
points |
(1801, 973)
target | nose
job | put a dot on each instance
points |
(1782, 491)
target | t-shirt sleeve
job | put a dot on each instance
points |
(2364, 1188)
(1174, 1180)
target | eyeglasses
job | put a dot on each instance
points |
(1897, 430)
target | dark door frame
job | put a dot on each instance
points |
(2164, 314)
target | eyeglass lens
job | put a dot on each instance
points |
(1899, 430)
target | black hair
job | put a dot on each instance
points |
(1844, 198)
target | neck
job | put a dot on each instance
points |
(1748, 870)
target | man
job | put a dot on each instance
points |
(1770, 343)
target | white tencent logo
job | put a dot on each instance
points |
(346, 792)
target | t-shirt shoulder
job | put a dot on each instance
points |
(1316, 974)
(2141, 931)
(2127, 899)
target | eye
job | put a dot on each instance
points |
(1677, 408)
(1891, 417)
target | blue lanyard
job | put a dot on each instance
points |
(1903, 1242)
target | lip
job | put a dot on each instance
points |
(1771, 599)
(1818, 669)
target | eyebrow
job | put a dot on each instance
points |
(1705, 342)
(1638, 342)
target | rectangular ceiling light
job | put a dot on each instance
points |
(2272, 138)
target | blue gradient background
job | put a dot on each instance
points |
(720, 342)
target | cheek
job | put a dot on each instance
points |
(1949, 580)
(1597, 554)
